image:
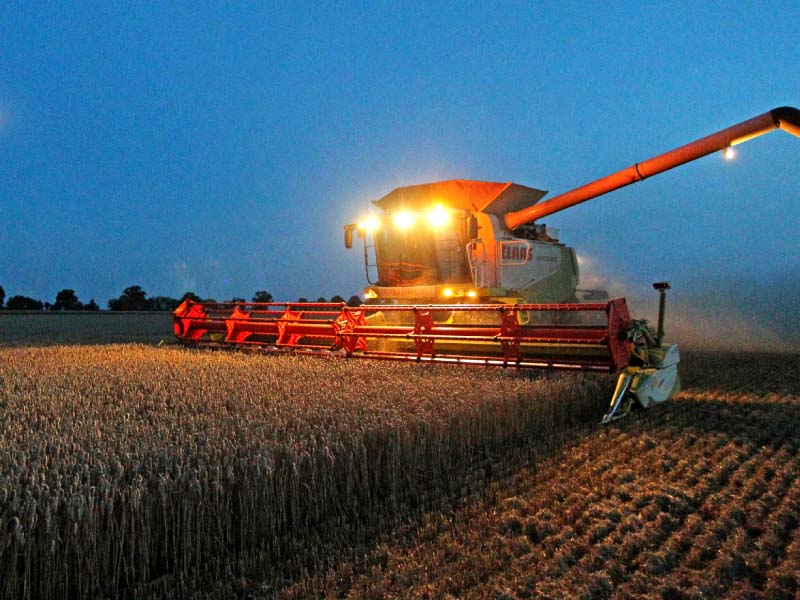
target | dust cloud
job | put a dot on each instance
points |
(714, 313)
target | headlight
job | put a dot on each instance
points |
(438, 216)
(403, 220)
(369, 224)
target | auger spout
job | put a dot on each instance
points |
(786, 118)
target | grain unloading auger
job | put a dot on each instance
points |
(461, 272)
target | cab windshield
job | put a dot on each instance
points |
(420, 256)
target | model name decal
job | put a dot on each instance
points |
(516, 252)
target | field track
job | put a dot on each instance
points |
(136, 471)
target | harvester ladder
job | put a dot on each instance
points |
(368, 265)
(476, 254)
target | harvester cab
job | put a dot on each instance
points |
(447, 242)
(465, 272)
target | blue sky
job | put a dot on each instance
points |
(221, 149)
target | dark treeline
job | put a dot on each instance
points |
(66, 299)
(134, 298)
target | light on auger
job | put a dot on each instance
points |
(729, 153)
(403, 220)
(438, 216)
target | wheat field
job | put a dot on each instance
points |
(121, 465)
(137, 471)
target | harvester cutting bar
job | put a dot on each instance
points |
(550, 336)
(488, 361)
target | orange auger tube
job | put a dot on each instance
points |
(786, 118)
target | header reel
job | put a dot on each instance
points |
(599, 337)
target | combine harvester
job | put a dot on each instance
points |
(467, 273)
